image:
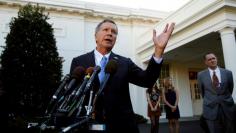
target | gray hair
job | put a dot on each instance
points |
(104, 21)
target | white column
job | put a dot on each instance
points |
(229, 51)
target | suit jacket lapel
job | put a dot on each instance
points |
(113, 57)
(91, 59)
(222, 76)
(208, 77)
(209, 80)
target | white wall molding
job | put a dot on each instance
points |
(214, 16)
(92, 10)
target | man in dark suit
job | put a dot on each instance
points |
(217, 86)
(114, 107)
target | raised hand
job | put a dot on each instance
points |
(161, 40)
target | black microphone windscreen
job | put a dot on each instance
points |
(97, 69)
(78, 73)
(89, 71)
(111, 67)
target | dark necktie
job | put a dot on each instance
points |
(215, 80)
(103, 63)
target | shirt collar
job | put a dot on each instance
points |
(98, 56)
(217, 70)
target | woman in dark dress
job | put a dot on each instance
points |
(171, 99)
(154, 112)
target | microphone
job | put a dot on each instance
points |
(76, 78)
(77, 73)
(110, 70)
(89, 107)
(78, 105)
(62, 85)
(80, 89)
(96, 70)
(89, 71)
(54, 97)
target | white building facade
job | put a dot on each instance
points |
(201, 26)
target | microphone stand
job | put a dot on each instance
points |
(54, 99)
(75, 105)
(88, 86)
(41, 126)
(101, 88)
(68, 128)
(87, 117)
(89, 107)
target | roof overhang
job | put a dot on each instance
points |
(194, 20)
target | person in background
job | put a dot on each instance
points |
(114, 108)
(171, 98)
(154, 112)
(216, 85)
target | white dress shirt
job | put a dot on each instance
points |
(217, 71)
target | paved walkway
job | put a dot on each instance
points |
(191, 126)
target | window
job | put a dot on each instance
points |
(195, 91)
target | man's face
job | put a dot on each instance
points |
(106, 36)
(211, 61)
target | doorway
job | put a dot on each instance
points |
(195, 94)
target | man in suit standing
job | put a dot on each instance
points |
(115, 108)
(217, 86)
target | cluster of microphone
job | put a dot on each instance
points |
(69, 98)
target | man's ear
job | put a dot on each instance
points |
(95, 35)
